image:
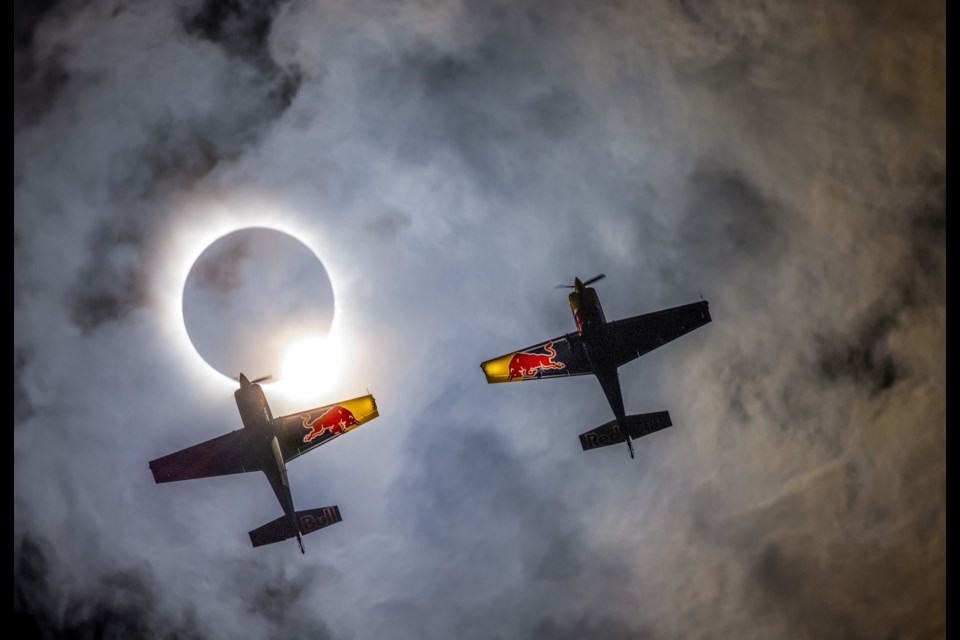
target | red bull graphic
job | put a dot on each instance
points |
(336, 420)
(529, 365)
(315, 519)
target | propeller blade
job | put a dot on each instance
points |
(595, 279)
(260, 379)
(564, 286)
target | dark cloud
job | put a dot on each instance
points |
(489, 98)
(585, 629)
(835, 597)
(285, 598)
(22, 407)
(180, 157)
(241, 28)
(122, 604)
(925, 280)
(389, 224)
(112, 283)
(554, 112)
(728, 211)
(37, 79)
(728, 226)
(864, 361)
(916, 282)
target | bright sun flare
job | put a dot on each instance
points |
(310, 367)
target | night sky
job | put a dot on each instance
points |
(450, 163)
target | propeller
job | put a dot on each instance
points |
(595, 278)
(256, 380)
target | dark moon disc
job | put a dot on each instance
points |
(250, 295)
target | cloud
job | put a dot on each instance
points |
(120, 604)
(453, 163)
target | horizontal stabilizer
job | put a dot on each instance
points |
(309, 520)
(637, 426)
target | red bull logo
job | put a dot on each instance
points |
(529, 365)
(336, 420)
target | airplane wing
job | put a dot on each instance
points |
(633, 337)
(221, 456)
(301, 432)
(553, 358)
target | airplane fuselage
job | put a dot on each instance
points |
(258, 424)
(586, 309)
(592, 327)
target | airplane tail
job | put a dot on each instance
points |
(308, 521)
(635, 426)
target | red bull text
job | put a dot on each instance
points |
(318, 519)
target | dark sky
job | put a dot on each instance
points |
(450, 162)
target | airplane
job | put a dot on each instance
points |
(266, 444)
(600, 348)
